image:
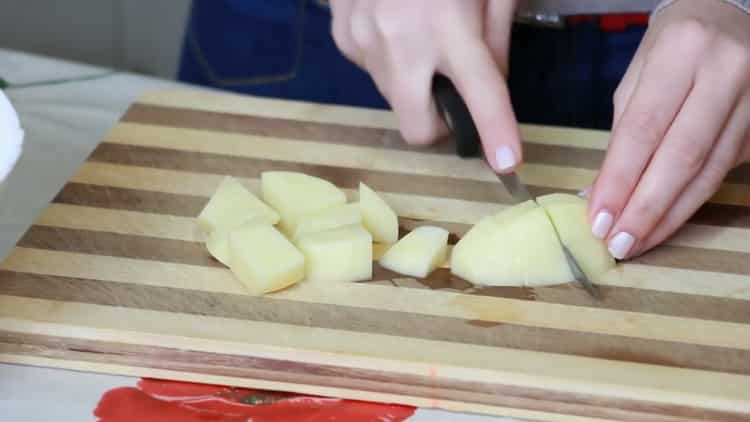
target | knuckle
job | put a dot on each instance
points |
(691, 156)
(691, 32)
(389, 23)
(644, 125)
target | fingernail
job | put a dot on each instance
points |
(584, 193)
(621, 244)
(602, 224)
(504, 158)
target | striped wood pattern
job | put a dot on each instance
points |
(112, 278)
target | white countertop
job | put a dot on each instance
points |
(63, 123)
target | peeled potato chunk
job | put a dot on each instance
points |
(263, 259)
(418, 253)
(339, 255)
(331, 218)
(378, 218)
(231, 205)
(295, 195)
(517, 247)
(568, 214)
(217, 242)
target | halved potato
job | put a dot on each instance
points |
(517, 247)
(339, 255)
(377, 216)
(568, 214)
(418, 253)
(232, 205)
(263, 259)
(295, 195)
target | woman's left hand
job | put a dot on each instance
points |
(681, 122)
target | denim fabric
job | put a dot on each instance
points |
(284, 49)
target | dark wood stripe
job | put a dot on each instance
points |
(131, 200)
(118, 245)
(621, 298)
(330, 133)
(380, 381)
(351, 135)
(242, 307)
(443, 187)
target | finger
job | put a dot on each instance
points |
(679, 158)
(479, 81)
(625, 89)
(498, 22)
(708, 180)
(658, 96)
(410, 97)
(341, 28)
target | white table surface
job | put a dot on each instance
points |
(63, 123)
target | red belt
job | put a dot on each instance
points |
(611, 23)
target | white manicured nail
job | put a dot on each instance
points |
(621, 244)
(504, 158)
(602, 224)
(584, 193)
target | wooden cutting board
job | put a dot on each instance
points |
(111, 278)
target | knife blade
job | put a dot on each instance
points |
(457, 117)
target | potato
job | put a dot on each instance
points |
(517, 247)
(339, 255)
(328, 219)
(377, 217)
(217, 242)
(568, 214)
(418, 253)
(295, 195)
(232, 205)
(263, 259)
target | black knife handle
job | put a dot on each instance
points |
(457, 117)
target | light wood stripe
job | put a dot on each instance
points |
(419, 207)
(120, 222)
(448, 304)
(661, 279)
(359, 157)
(290, 386)
(409, 206)
(555, 148)
(315, 345)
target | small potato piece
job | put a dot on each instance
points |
(339, 255)
(263, 259)
(217, 242)
(295, 195)
(377, 216)
(568, 214)
(231, 205)
(331, 218)
(418, 253)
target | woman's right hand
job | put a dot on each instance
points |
(402, 44)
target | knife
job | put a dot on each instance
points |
(457, 117)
